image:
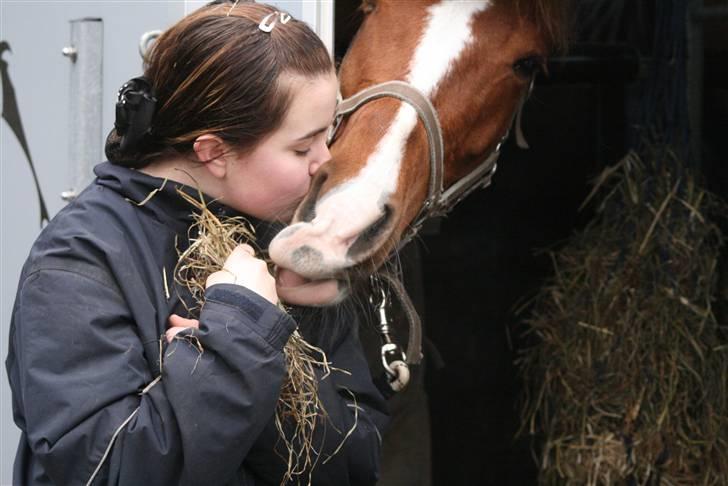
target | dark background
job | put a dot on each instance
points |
(489, 256)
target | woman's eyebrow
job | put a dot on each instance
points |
(316, 131)
(312, 133)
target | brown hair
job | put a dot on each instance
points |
(216, 72)
(551, 17)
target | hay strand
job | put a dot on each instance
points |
(299, 408)
(626, 374)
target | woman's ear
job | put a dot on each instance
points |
(211, 150)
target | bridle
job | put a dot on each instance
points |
(439, 202)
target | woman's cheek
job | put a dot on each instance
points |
(294, 180)
(300, 184)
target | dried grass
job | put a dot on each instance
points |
(299, 408)
(627, 372)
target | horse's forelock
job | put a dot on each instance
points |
(551, 17)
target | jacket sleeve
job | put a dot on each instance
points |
(93, 411)
(349, 438)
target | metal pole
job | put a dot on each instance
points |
(86, 54)
(320, 16)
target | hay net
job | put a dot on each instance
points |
(626, 370)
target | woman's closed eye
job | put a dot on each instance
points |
(302, 152)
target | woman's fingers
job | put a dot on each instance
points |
(176, 324)
(246, 248)
(178, 321)
(170, 333)
(241, 260)
(243, 268)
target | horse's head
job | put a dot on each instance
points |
(474, 60)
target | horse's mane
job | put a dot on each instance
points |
(550, 15)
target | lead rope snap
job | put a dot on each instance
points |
(398, 374)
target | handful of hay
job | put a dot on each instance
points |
(627, 376)
(212, 239)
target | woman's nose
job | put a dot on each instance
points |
(323, 157)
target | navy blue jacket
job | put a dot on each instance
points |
(96, 402)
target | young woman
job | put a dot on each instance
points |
(235, 101)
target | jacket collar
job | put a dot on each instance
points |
(167, 205)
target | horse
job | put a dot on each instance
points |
(430, 90)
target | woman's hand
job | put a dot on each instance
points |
(243, 268)
(175, 324)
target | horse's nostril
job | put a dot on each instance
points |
(369, 235)
(307, 211)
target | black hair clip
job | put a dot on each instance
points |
(135, 108)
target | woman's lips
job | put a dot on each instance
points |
(295, 289)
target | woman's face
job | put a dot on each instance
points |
(269, 182)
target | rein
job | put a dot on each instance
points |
(439, 202)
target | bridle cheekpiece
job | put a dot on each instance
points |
(439, 201)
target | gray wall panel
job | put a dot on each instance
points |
(36, 32)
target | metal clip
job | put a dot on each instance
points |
(145, 42)
(391, 348)
(269, 21)
(383, 320)
(394, 359)
(378, 298)
(397, 370)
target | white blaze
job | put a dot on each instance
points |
(347, 210)
(447, 33)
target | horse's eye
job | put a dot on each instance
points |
(527, 67)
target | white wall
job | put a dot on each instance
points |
(37, 31)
